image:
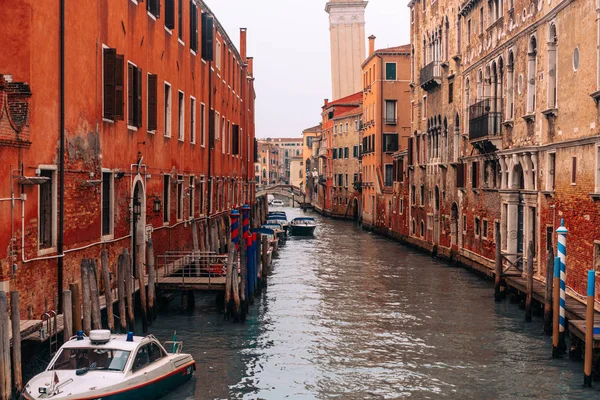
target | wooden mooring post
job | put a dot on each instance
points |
(548, 293)
(142, 292)
(555, 311)
(5, 367)
(86, 297)
(76, 301)
(498, 289)
(589, 329)
(67, 315)
(529, 285)
(121, 271)
(15, 317)
(107, 290)
(129, 291)
(93, 276)
(152, 279)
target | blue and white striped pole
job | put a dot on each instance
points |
(562, 256)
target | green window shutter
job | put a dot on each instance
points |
(390, 71)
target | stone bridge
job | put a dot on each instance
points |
(289, 191)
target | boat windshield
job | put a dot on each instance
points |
(93, 359)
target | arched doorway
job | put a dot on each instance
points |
(518, 183)
(355, 210)
(436, 216)
(138, 224)
(454, 225)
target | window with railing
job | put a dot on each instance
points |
(431, 74)
(390, 142)
(390, 112)
(485, 118)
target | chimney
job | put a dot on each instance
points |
(243, 44)
(325, 102)
(371, 44)
(250, 61)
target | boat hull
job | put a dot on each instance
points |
(153, 389)
(302, 230)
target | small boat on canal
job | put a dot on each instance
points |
(303, 226)
(109, 367)
(280, 231)
(271, 238)
(278, 218)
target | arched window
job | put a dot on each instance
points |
(479, 86)
(531, 75)
(510, 86)
(552, 66)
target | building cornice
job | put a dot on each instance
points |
(345, 4)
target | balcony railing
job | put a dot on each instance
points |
(323, 151)
(322, 179)
(485, 119)
(431, 75)
(391, 120)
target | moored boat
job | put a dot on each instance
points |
(302, 226)
(109, 366)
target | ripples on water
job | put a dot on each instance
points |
(352, 315)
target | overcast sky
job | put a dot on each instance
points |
(289, 40)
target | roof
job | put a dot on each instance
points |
(353, 99)
(315, 129)
(349, 113)
(404, 49)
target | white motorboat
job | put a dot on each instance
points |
(277, 203)
(109, 366)
(302, 226)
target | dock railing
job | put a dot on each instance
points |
(190, 265)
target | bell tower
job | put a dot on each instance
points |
(347, 36)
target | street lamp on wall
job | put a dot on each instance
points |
(156, 205)
(137, 209)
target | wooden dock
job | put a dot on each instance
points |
(30, 329)
(574, 310)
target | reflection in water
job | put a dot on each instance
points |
(352, 315)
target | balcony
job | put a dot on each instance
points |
(323, 151)
(391, 120)
(357, 186)
(485, 124)
(431, 76)
(322, 179)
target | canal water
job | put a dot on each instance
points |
(351, 315)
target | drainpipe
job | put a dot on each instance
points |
(211, 140)
(61, 179)
(380, 124)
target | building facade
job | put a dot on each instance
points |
(157, 131)
(268, 162)
(347, 39)
(308, 136)
(345, 163)
(385, 127)
(508, 119)
(324, 148)
(297, 173)
(288, 148)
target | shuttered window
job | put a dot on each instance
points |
(180, 18)
(235, 140)
(170, 14)
(193, 26)
(207, 37)
(166, 192)
(107, 188)
(46, 211)
(152, 103)
(460, 175)
(410, 151)
(153, 7)
(112, 85)
(390, 71)
(134, 95)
